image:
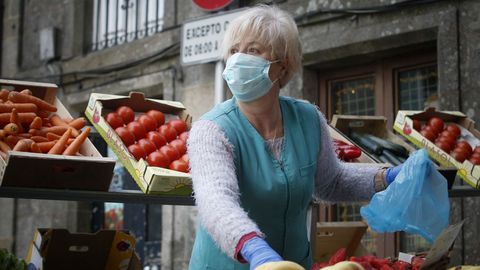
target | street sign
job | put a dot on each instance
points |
(201, 39)
(212, 5)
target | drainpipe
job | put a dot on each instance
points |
(219, 89)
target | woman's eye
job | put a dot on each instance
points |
(253, 51)
(233, 51)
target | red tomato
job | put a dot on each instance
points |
(137, 151)
(137, 129)
(114, 120)
(157, 115)
(179, 125)
(170, 152)
(445, 146)
(448, 134)
(459, 154)
(428, 134)
(126, 113)
(465, 145)
(179, 165)
(179, 145)
(477, 149)
(168, 132)
(447, 139)
(454, 129)
(431, 129)
(147, 122)
(436, 123)
(158, 159)
(475, 155)
(127, 137)
(475, 160)
(156, 138)
(183, 136)
(417, 125)
(147, 145)
(185, 158)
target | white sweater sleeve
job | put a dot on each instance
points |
(341, 181)
(216, 187)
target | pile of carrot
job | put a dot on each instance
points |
(30, 124)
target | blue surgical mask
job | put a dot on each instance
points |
(247, 76)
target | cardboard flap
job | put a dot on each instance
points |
(431, 112)
(57, 171)
(140, 104)
(374, 125)
(45, 91)
(331, 236)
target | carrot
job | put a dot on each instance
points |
(52, 136)
(25, 135)
(26, 117)
(44, 130)
(73, 148)
(67, 120)
(57, 121)
(34, 148)
(46, 146)
(14, 119)
(2, 134)
(23, 145)
(4, 147)
(60, 146)
(12, 140)
(17, 97)
(70, 141)
(21, 107)
(26, 92)
(11, 129)
(4, 94)
(78, 123)
(36, 123)
(43, 114)
(39, 139)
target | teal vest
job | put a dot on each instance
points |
(276, 195)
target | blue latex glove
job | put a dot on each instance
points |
(392, 173)
(256, 252)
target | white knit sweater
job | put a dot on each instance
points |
(217, 192)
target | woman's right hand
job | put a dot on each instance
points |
(256, 252)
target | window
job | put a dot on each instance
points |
(117, 22)
(417, 87)
(354, 97)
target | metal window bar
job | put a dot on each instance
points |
(119, 21)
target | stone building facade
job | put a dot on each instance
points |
(363, 43)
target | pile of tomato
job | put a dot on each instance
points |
(371, 262)
(447, 138)
(149, 137)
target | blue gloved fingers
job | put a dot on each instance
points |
(256, 251)
(392, 173)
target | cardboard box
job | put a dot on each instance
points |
(373, 125)
(88, 172)
(151, 180)
(404, 126)
(364, 157)
(53, 249)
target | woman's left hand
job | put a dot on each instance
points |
(392, 173)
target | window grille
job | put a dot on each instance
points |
(417, 88)
(117, 22)
(354, 97)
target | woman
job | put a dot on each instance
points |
(258, 158)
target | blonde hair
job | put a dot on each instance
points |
(273, 28)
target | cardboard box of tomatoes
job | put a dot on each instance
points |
(105, 249)
(42, 146)
(149, 138)
(449, 137)
(372, 135)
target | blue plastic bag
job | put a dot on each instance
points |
(416, 202)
